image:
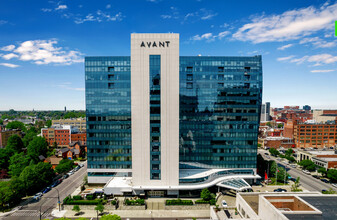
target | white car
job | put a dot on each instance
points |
(306, 172)
(224, 203)
(334, 184)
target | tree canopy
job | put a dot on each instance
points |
(16, 125)
(17, 163)
(308, 165)
(14, 144)
(111, 217)
(64, 166)
(274, 152)
(332, 174)
(38, 146)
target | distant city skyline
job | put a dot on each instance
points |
(43, 44)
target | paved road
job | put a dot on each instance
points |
(307, 181)
(49, 200)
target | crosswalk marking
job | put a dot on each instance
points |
(30, 213)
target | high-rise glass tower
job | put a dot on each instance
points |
(160, 123)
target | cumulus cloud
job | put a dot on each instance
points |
(9, 56)
(44, 52)
(8, 48)
(292, 24)
(285, 46)
(61, 7)
(209, 36)
(285, 58)
(321, 71)
(99, 17)
(318, 42)
(108, 6)
(10, 65)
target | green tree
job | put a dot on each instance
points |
(10, 193)
(1, 122)
(4, 158)
(17, 164)
(206, 195)
(48, 123)
(280, 125)
(46, 173)
(16, 125)
(294, 187)
(31, 133)
(268, 124)
(38, 146)
(76, 209)
(274, 152)
(289, 152)
(111, 217)
(64, 166)
(14, 144)
(332, 174)
(99, 208)
(308, 165)
(322, 170)
(30, 180)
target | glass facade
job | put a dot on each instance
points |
(108, 112)
(220, 101)
(155, 116)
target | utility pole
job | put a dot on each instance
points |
(58, 198)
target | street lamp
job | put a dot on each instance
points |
(58, 197)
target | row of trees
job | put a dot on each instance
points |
(12, 114)
(28, 173)
(104, 217)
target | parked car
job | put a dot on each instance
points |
(306, 172)
(293, 179)
(81, 165)
(315, 176)
(70, 173)
(280, 190)
(293, 165)
(47, 189)
(65, 176)
(325, 180)
(224, 203)
(334, 184)
(38, 196)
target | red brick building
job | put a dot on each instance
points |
(63, 136)
(315, 135)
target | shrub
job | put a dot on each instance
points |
(77, 197)
(83, 202)
(90, 197)
(201, 201)
(212, 201)
(179, 202)
(113, 202)
(135, 202)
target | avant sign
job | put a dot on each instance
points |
(155, 44)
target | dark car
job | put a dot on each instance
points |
(46, 190)
(280, 190)
(65, 176)
(315, 176)
(325, 180)
(293, 179)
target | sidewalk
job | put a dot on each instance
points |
(147, 214)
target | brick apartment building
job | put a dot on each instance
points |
(5, 134)
(63, 135)
(315, 135)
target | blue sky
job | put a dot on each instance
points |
(43, 43)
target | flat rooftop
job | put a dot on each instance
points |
(326, 204)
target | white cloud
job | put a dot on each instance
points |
(44, 52)
(46, 9)
(285, 46)
(9, 56)
(201, 14)
(321, 71)
(61, 7)
(318, 59)
(8, 48)
(223, 34)
(166, 16)
(108, 6)
(285, 58)
(289, 25)
(318, 42)
(9, 65)
(67, 85)
(99, 17)
(209, 36)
